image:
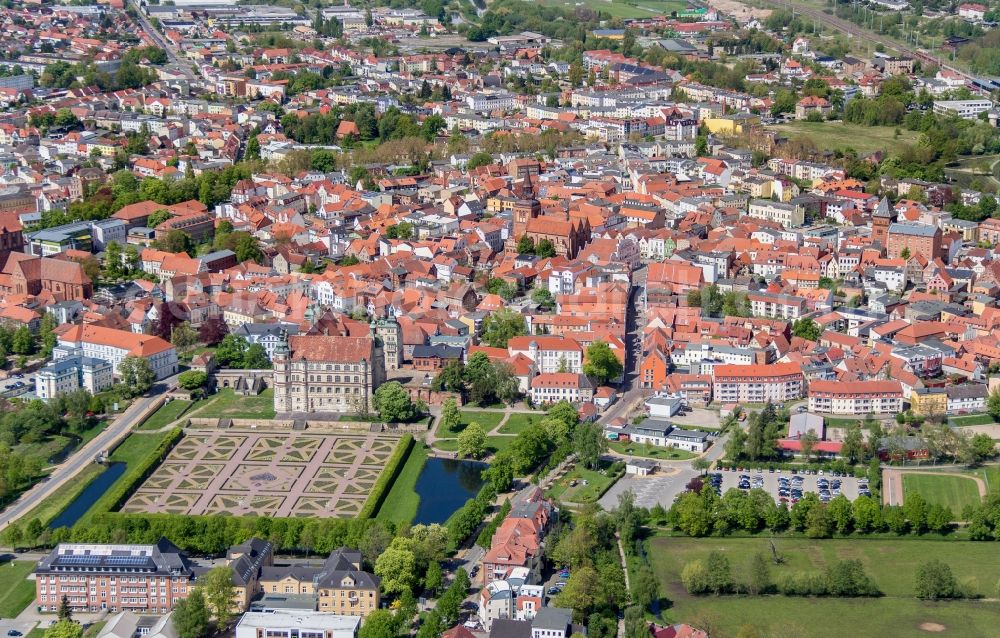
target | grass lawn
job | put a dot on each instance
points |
(225, 403)
(971, 419)
(400, 505)
(596, 484)
(166, 415)
(891, 562)
(842, 423)
(631, 9)
(518, 422)
(951, 491)
(18, 591)
(839, 135)
(650, 451)
(489, 419)
(989, 473)
(493, 444)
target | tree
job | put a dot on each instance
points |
(231, 351)
(758, 575)
(450, 416)
(157, 217)
(589, 443)
(695, 578)
(397, 567)
(472, 441)
(936, 581)
(253, 148)
(720, 578)
(23, 342)
(255, 358)
(807, 329)
(602, 364)
(582, 592)
(65, 611)
(213, 330)
(136, 375)
(501, 326)
(219, 592)
(379, 623)
(192, 379)
(191, 616)
(64, 629)
(184, 336)
(545, 249)
(983, 447)
(165, 322)
(394, 404)
(525, 245)
(808, 443)
(645, 587)
(543, 298)
(479, 159)
(854, 447)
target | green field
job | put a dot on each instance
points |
(166, 415)
(891, 562)
(597, 482)
(971, 419)
(228, 404)
(519, 422)
(17, 592)
(649, 451)
(839, 135)
(400, 505)
(955, 492)
(631, 9)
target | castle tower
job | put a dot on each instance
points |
(390, 334)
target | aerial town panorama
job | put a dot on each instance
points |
(499, 319)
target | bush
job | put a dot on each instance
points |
(388, 476)
(694, 577)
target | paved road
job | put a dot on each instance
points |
(68, 469)
(177, 64)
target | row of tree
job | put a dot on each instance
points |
(700, 513)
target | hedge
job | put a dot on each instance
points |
(389, 475)
(212, 535)
(124, 487)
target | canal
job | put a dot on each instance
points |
(94, 490)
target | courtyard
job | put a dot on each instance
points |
(266, 474)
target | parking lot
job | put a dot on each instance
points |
(17, 385)
(772, 483)
(660, 488)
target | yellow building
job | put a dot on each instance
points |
(731, 124)
(340, 586)
(929, 401)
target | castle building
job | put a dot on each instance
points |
(320, 373)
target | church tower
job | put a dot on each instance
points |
(882, 218)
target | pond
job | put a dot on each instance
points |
(94, 490)
(444, 486)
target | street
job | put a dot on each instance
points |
(68, 469)
(176, 65)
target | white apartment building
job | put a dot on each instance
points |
(856, 397)
(71, 374)
(111, 345)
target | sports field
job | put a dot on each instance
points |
(618, 9)
(955, 492)
(891, 562)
